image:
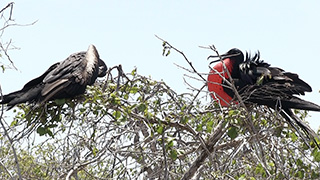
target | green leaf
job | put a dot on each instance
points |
(14, 122)
(164, 43)
(134, 90)
(299, 162)
(3, 68)
(52, 125)
(259, 169)
(316, 155)
(173, 154)
(314, 175)
(126, 96)
(117, 114)
(115, 100)
(260, 80)
(142, 107)
(300, 174)
(168, 52)
(95, 151)
(49, 132)
(160, 129)
(233, 112)
(199, 127)
(271, 164)
(134, 72)
(242, 177)
(293, 136)
(41, 131)
(232, 132)
(209, 126)
(60, 101)
(170, 143)
(184, 119)
(263, 121)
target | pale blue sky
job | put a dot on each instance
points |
(285, 32)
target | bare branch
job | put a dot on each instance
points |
(9, 139)
(189, 62)
(7, 6)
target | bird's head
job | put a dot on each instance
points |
(218, 73)
(234, 55)
(102, 68)
(93, 58)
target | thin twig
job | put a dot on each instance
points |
(5, 50)
(7, 171)
(9, 139)
(7, 6)
(185, 57)
(166, 175)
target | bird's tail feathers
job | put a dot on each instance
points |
(297, 103)
(20, 96)
(311, 135)
(9, 99)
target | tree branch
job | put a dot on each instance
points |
(213, 139)
(9, 139)
(169, 46)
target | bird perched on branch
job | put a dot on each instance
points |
(65, 79)
(257, 82)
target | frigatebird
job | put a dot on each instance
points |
(258, 83)
(65, 79)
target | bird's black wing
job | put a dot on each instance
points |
(66, 67)
(67, 72)
(258, 83)
(29, 92)
(265, 85)
(300, 86)
(39, 79)
(278, 88)
(276, 95)
(65, 79)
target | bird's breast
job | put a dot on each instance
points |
(216, 82)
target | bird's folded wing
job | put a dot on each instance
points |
(65, 68)
(50, 89)
(39, 79)
(276, 95)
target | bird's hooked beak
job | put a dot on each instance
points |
(222, 57)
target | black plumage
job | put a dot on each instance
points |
(259, 83)
(65, 79)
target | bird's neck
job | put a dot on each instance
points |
(91, 65)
